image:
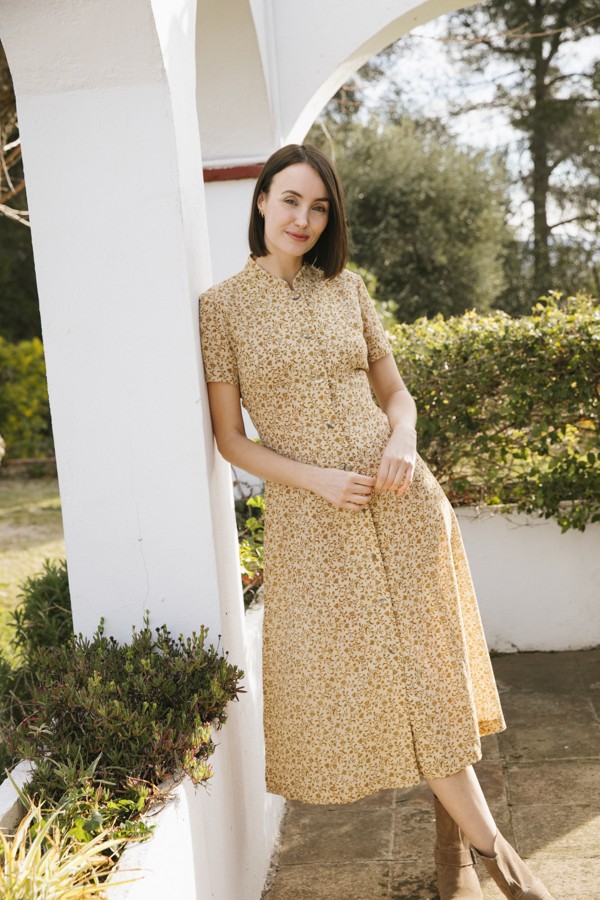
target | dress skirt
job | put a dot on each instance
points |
(376, 670)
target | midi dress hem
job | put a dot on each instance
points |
(372, 788)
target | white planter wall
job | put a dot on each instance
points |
(537, 589)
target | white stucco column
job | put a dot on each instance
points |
(114, 179)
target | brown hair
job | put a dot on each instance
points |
(331, 250)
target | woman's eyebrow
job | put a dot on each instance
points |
(317, 199)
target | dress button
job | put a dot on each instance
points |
(330, 424)
(295, 297)
(383, 600)
(392, 649)
(318, 380)
(307, 336)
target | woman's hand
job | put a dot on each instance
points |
(349, 490)
(397, 465)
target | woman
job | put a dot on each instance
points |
(375, 668)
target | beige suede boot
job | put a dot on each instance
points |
(511, 874)
(454, 859)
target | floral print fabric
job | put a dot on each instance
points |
(376, 671)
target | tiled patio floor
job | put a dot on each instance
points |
(541, 778)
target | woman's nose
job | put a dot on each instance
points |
(301, 216)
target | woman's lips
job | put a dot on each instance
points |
(297, 237)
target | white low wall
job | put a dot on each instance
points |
(537, 589)
(11, 808)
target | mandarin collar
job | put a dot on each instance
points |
(307, 272)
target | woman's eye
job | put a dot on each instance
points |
(289, 200)
(322, 209)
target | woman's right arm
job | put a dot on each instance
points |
(350, 490)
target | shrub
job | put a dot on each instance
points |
(24, 408)
(43, 617)
(145, 708)
(251, 539)
(508, 407)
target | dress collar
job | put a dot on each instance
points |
(306, 273)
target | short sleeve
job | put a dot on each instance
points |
(377, 341)
(218, 356)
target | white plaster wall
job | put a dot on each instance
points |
(233, 86)
(537, 589)
(228, 211)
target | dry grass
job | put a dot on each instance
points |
(30, 530)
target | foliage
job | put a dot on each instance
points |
(43, 617)
(11, 694)
(42, 860)
(104, 724)
(24, 407)
(251, 537)
(19, 310)
(426, 216)
(508, 408)
(144, 708)
(527, 49)
(510, 74)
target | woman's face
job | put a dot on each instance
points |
(296, 210)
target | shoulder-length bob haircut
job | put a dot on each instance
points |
(331, 250)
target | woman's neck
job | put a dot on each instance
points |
(286, 268)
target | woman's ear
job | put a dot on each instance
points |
(260, 203)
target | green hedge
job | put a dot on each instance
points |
(508, 407)
(24, 408)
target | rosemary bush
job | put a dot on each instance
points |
(143, 709)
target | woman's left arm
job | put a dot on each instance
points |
(397, 465)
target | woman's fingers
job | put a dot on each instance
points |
(394, 477)
(361, 490)
(407, 481)
(398, 477)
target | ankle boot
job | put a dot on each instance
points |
(454, 859)
(511, 874)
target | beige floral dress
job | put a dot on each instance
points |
(375, 666)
